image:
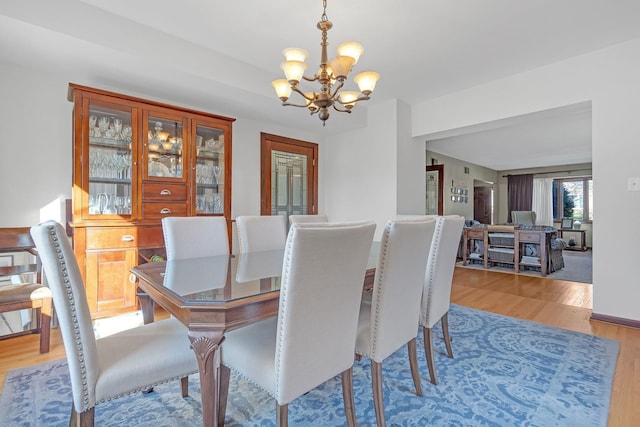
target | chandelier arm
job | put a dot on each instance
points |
(341, 110)
(289, 104)
(310, 79)
(336, 89)
(360, 98)
(301, 93)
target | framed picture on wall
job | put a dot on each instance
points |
(567, 223)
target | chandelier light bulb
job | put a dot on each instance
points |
(348, 98)
(295, 54)
(293, 70)
(283, 88)
(341, 66)
(366, 81)
(352, 49)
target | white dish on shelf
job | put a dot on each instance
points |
(158, 169)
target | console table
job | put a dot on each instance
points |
(583, 239)
(497, 248)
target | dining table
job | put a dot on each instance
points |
(211, 295)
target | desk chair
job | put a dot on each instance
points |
(115, 365)
(20, 296)
(261, 233)
(436, 295)
(388, 321)
(312, 339)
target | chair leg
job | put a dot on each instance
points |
(347, 397)
(282, 415)
(445, 333)
(82, 419)
(413, 362)
(378, 398)
(44, 316)
(428, 351)
(184, 385)
(223, 395)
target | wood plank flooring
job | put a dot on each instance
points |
(556, 303)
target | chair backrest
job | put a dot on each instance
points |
(398, 284)
(320, 293)
(195, 236)
(261, 233)
(300, 219)
(523, 217)
(436, 296)
(70, 300)
(18, 239)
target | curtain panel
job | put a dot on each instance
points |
(520, 193)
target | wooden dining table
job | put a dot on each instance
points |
(212, 295)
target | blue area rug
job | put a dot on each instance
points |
(506, 372)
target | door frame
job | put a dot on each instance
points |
(269, 142)
(440, 170)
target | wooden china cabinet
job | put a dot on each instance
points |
(135, 162)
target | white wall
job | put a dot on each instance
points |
(608, 78)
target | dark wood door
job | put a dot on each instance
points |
(482, 204)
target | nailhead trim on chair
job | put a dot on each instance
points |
(384, 253)
(437, 235)
(76, 327)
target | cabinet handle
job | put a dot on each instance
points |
(128, 238)
(165, 192)
(165, 211)
(133, 278)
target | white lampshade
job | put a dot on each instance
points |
(341, 65)
(283, 88)
(293, 70)
(295, 54)
(348, 98)
(366, 81)
(352, 49)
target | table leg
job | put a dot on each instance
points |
(206, 346)
(146, 306)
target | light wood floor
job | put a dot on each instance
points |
(553, 302)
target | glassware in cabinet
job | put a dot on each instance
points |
(164, 147)
(110, 160)
(209, 170)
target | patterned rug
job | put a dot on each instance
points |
(506, 372)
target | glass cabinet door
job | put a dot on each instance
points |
(164, 147)
(110, 160)
(209, 170)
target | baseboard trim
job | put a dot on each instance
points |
(616, 320)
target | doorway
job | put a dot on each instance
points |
(289, 176)
(483, 204)
(435, 188)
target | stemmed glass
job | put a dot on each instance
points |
(216, 173)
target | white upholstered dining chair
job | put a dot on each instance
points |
(388, 321)
(436, 295)
(300, 219)
(312, 339)
(116, 365)
(261, 232)
(195, 236)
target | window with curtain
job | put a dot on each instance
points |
(542, 202)
(519, 192)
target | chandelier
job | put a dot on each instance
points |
(331, 76)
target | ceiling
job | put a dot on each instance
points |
(222, 56)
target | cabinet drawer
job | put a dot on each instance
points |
(529, 237)
(150, 237)
(160, 210)
(112, 237)
(158, 191)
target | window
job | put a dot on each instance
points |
(573, 198)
